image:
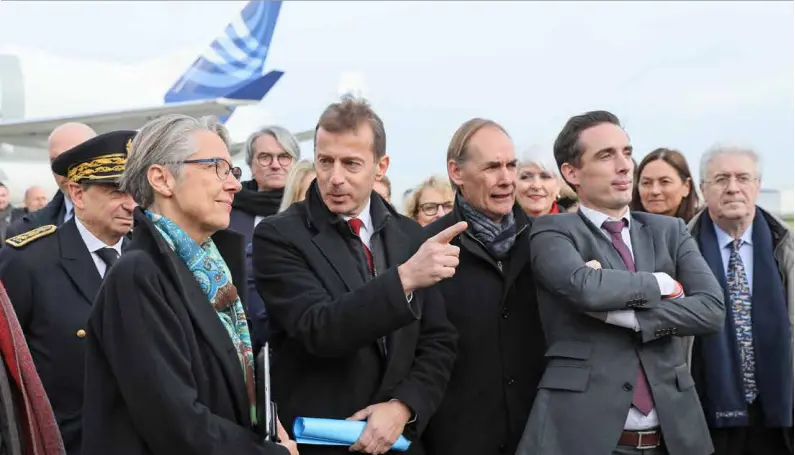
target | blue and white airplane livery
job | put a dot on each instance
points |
(230, 73)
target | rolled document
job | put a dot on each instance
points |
(331, 432)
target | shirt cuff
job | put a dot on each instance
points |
(668, 286)
(623, 318)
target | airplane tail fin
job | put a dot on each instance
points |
(232, 66)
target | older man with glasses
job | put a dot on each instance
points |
(271, 152)
(744, 372)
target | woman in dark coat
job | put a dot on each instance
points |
(169, 364)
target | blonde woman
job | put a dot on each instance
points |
(298, 180)
(431, 200)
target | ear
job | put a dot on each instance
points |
(381, 167)
(161, 180)
(686, 187)
(455, 172)
(570, 174)
(76, 194)
(703, 188)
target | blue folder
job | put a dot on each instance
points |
(331, 432)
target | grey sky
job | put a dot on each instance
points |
(678, 74)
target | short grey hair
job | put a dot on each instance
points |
(283, 137)
(166, 141)
(537, 155)
(719, 150)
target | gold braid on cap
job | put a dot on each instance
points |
(101, 167)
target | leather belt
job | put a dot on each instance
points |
(641, 440)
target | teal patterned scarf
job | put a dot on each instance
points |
(208, 267)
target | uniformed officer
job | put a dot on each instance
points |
(52, 275)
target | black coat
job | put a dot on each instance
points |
(52, 282)
(327, 318)
(52, 213)
(500, 349)
(163, 374)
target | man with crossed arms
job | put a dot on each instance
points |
(616, 379)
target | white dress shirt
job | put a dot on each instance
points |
(366, 231)
(93, 244)
(746, 253)
(626, 318)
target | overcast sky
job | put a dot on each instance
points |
(678, 74)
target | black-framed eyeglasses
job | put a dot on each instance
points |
(265, 159)
(222, 167)
(432, 208)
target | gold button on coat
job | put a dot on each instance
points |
(81, 333)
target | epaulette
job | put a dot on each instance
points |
(35, 234)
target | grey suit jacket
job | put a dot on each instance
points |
(586, 391)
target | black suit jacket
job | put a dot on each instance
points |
(163, 373)
(52, 282)
(52, 213)
(326, 318)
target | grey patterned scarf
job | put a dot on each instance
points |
(498, 238)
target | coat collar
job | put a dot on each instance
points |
(334, 237)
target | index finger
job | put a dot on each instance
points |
(450, 233)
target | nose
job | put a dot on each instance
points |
(535, 182)
(232, 184)
(624, 164)
(655, 188)
(732, 187)
(337, 175)
(128, 203)
(507, 176)
(275, 164)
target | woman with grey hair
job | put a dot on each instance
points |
(169, 363)
(538, 184)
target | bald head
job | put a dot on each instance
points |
(35, 198)
(63, 138)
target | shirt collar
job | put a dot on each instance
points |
(598, 218)
(364, 216)
(67, 204)
(92, 242)
(724, 239)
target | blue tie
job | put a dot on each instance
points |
(740, 297)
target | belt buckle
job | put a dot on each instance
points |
(640, 445)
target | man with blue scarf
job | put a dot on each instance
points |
(744, 372)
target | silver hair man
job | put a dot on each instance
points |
(166, 141)
(728, 149)
(283, 137)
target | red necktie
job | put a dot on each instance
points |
(356, 225)
(641, 397)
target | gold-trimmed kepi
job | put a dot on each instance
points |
(101, 159)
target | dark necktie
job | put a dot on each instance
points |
(641, 396)
(108, 256)
(356, 226)
(740, 297)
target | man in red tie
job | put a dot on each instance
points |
(616, 289)
(358, 330)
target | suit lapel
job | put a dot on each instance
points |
(642, 246)
(332, 245)
(77, 261)
(609, 255)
